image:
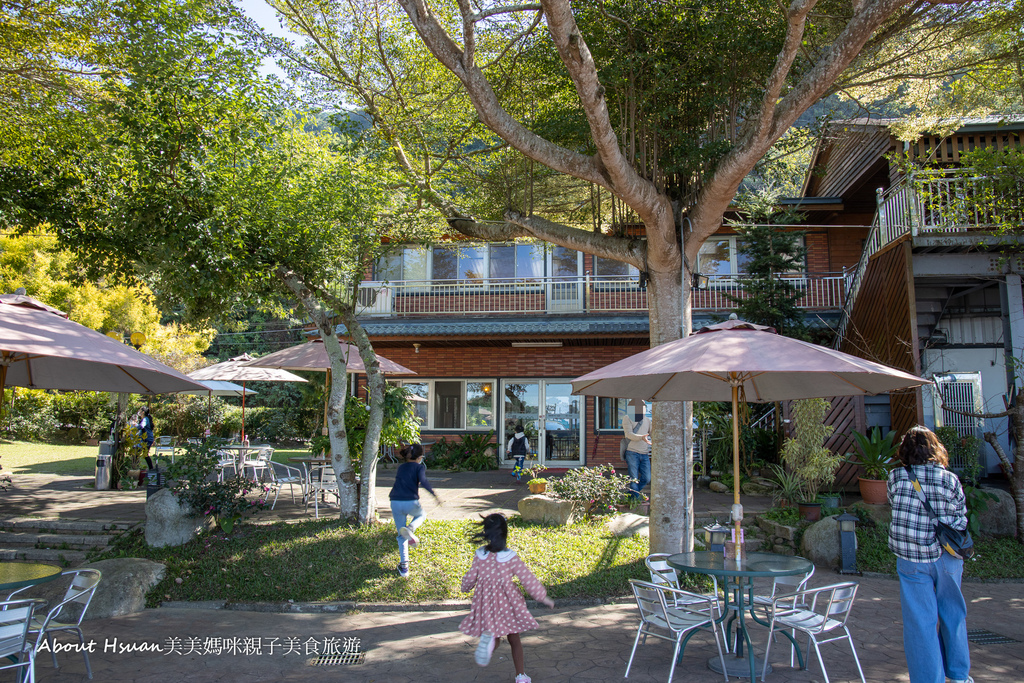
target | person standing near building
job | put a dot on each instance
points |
(934, 611)
(519, 448)
(636, 427)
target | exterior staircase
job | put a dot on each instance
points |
(65, 542)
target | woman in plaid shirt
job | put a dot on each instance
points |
(934, 611)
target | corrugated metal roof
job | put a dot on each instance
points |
(446, 327)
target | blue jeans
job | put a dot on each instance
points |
(934, 620)
(400, 511)
(639, 465)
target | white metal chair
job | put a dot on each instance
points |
(664, 575)
(67, 615)
(827, 610)
(259, 462)
(282, 475)
(783, 587)
(16, 650)
(322, 481)
(226, 459)
(657, 617)
(164, 446)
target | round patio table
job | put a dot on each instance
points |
(738, 582)
(20, 574)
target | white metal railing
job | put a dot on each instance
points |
(586, 294)
(933, 201)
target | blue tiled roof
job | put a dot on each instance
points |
(554, 326)
(448, 327)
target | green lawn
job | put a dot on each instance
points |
(22, 457)
(328, 561)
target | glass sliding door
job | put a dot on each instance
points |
(555, 432)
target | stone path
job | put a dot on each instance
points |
(573, 644)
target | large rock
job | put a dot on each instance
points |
(820, 543)
(718, 487)
(1000, 519)
(753, 488)
(124, 585)
(547, 510)
(629, 524)
(168, 521)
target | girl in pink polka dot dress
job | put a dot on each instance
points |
(498, 607)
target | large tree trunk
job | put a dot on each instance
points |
(367, 511)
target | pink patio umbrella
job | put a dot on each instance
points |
(41, 349)
(312, 355)
(237, 370)
(721, 362)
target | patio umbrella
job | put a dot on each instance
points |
(237, 370)
(724, 361)
(41, 349)
(312, 355)
(216, 387)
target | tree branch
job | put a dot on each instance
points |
(994, 442)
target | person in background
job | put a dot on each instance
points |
(498, 608)
(636, 427)
(934, 611)
(144, 425)
(405, 502)
(518, 447)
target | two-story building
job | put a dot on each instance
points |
(497, 331)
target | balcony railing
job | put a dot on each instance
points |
(934, 202)
(541, 296)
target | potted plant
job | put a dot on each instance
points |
(830, 499)
(877, 453)
(790, 487)
(806, 455)
(538, 485)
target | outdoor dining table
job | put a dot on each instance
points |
(738, 585)
(15, 575)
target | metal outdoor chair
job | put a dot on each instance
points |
(783, 587)
(67, 615)
(15, 649)
(827, 611)
(260, 462)
(282, 475)
(226, 459)
(164, 446)
(664, 575)
(322, 481)
(658, 618)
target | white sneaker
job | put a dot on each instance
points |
(408, 535)
(523, 678)
(484, 649)
(969, 679)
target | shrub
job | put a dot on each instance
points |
(473, 452)
(30, 416)
(592, 490)
(806, 455)
(193, 478)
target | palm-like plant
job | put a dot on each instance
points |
(877, 452)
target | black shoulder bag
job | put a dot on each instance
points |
(957, 543)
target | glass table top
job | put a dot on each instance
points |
(754, 564)
(20, 574)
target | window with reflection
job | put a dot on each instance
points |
(458, 263)
(516, 260)
(447, 405)
(479, 404)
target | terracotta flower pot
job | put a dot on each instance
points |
(538, 488)
(873, 491)
(810, 511)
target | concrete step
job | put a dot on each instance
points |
(64, 558)
(73, 541)
(73, 526)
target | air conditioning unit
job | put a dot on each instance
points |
(374, 298)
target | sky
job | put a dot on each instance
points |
(264, 15)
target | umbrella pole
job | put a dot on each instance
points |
(243, 412)
(736, 461)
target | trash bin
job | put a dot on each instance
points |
(155, 480)
(103, 464)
